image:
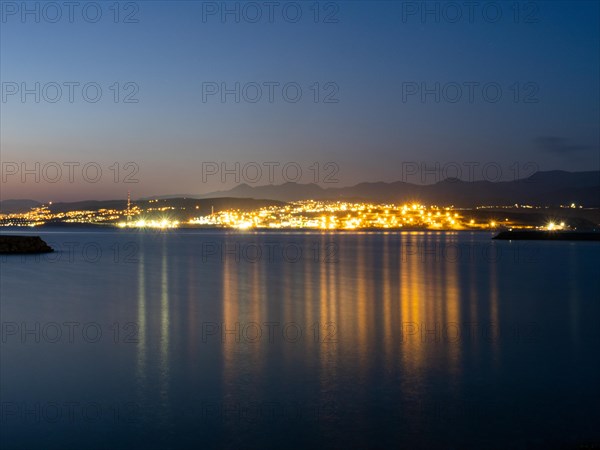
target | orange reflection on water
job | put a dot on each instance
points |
(403, 311)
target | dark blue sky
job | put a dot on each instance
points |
(545, 60)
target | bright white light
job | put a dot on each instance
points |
(244, 225)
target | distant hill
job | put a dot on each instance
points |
(542, 188)
(87, 205)
(177, 208)
(17, 206)
(285, 192)
(552, 188)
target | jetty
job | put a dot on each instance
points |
(547, 235)
(23, 245)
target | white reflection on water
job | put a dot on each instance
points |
(493, 308)
(141, 366)
(164, 330)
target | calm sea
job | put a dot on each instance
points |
(189, 339)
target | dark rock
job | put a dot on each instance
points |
(543, 235)
(23, 244)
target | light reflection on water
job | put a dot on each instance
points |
(400, 346)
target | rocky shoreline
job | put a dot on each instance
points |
(23, 245)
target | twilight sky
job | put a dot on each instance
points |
(384, 89)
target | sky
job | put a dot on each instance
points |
(192, 97)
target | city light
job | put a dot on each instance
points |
(327, 215)
(553, 226)
(305, 214)
(143, 223)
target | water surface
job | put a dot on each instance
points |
(193, 339)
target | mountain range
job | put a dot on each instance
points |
(551, 188)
